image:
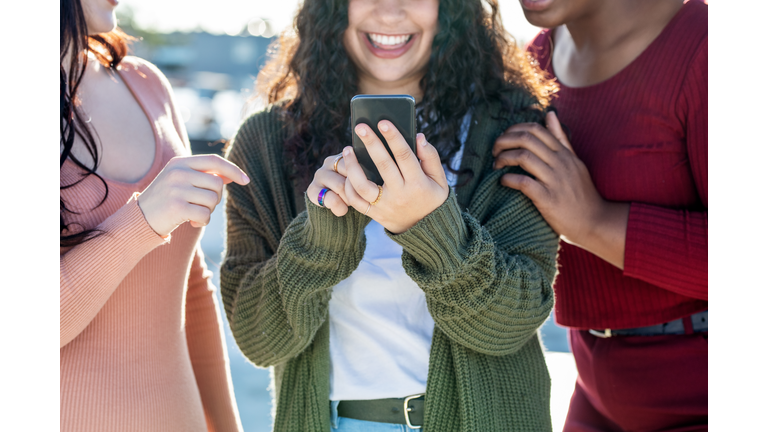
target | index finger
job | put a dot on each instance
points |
(404, 156)
(357, 178)
(520, 139)
(214, 164)
(554, 126)
(387, 167)
(540, 132)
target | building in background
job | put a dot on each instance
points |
(212, 75)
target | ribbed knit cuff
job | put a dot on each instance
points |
(332, 233)
(667, 248)
(436, 241)
(130, 225)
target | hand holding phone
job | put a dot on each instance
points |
(370, 110)
(414, 182)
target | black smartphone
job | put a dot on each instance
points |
(371, 109)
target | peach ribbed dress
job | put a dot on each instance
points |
(141, 345)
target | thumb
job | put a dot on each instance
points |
(553, 124)
(430, 160)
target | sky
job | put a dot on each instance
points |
(224, 16)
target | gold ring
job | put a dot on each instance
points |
(336, 164)
(369, 209)
(381, 191)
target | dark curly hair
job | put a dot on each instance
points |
(473, 60)
(75, 45)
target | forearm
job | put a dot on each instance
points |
(210, 363)
(275, 305)
(664, 247)
(668, 248)
(90, 272)
(488, 289)
(207, 350)
(608, 233)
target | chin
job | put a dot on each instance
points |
(104, 24)
(548, 13)
(545, 19)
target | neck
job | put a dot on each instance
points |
(609, 22)
(409, 86)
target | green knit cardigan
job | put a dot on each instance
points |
(485, 260)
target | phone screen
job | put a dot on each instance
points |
(371, 109)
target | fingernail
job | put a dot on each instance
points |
(384, 127)
(346, 151)
(246, 179)
(422, 138)
(360, 131)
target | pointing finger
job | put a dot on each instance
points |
(214, 164)
(356, 177)
(406, 160)
(379, 155)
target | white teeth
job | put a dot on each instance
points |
(384, 40)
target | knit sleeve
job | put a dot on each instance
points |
(276, 279)
(669, 248)
(207, 350)
(487, 272)
(90, 272)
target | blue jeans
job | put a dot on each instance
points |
(344, 424)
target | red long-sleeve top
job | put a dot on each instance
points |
(643, 136)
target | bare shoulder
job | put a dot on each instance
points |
(143, 70)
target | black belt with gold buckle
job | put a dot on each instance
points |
(408, 411)
(695, 323)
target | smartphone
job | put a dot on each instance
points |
(371, 109)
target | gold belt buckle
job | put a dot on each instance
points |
(407, 410)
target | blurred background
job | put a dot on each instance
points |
(211, 53)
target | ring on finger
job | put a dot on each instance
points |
(336, 163)
(381, 191)
(321, 197)
(369, 209)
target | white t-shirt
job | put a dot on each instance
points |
(381, 330)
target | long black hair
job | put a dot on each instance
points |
(75, 45)
(473, 60)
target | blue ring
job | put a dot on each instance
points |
(321, 197)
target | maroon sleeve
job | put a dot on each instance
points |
(668, 248)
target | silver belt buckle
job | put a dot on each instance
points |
(407, 410)
(601, 334)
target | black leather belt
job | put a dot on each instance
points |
(695, 323)
(408, 411)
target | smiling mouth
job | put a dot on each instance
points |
(388, 42)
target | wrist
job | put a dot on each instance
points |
(607, 233)
(161, 232)
(164, 235)
(601, 218)
(437, 240)
(401, 227)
